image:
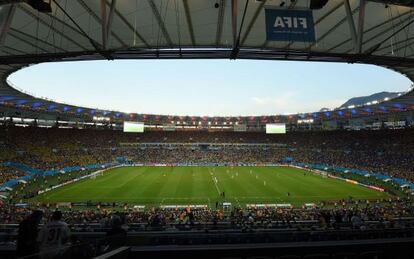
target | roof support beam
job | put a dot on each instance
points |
(160, 22)
(237, 34)
(220, 20)
(106, 22)
(385, 31)
(92, 42)
(332, 29)
(28, 42)
(14, 49)
(361, 21)
(376, 46)
(371, 29)
(351, 23)
(234, 21)
(407, 42)
(12, 30)
(30, 13)
(6, 22)
(5, 51)
(408, 70)
(110, 19)
(103, 25)
(129, 25)
(315, 23)
(253, 21)
(258, 54)
(99, 20)
(189, 21)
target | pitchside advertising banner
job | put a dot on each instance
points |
(289, 25)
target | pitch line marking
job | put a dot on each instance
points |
(215, 183)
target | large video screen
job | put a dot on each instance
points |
(276, 128)
(135, 127)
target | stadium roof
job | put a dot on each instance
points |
(346, 31)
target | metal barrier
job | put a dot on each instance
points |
(119, 253)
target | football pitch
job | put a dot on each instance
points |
(204, 185)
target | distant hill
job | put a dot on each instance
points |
(365, 99)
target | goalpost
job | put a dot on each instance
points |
(96, 174)
(324, 174)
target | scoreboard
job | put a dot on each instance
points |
(276, 128)
(133, 127)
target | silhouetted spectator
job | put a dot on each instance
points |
(27, 235)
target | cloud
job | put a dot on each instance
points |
(283, 99)
(288, 103)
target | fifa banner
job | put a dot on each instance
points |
(289, 25)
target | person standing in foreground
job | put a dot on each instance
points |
(53, 237)
(28, 229)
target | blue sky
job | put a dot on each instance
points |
(206, 87)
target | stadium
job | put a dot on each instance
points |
(85, 182)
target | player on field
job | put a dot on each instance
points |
(53, 237)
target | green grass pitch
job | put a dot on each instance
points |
(203, 185)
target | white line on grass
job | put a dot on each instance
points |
(215, 183)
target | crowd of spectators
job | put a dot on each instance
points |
(7, 174)
(355, 213)
(385, 151)
(38, 183)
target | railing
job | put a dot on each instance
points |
(266, 225)
(88, 244)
